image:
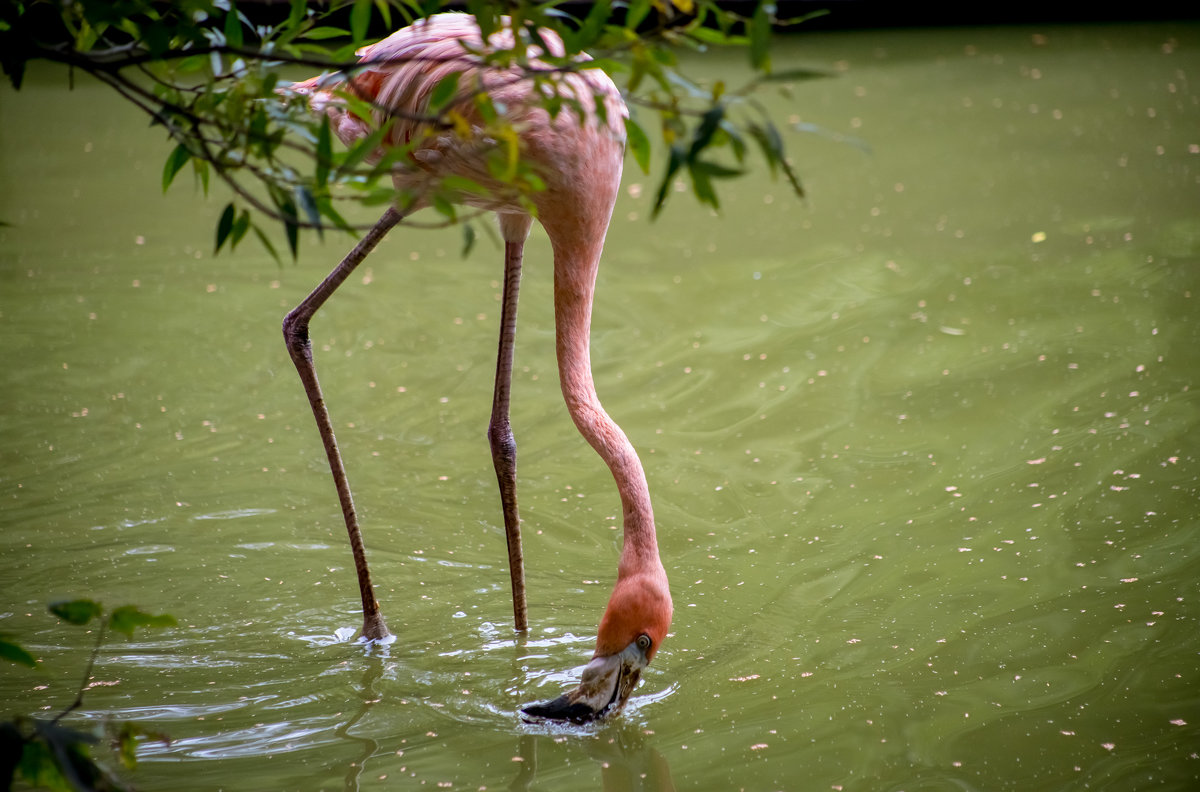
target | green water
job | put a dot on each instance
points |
(923, 450)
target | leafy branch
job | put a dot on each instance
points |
(46, 753)
(208, 72)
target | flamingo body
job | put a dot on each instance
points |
(404, 69)
(578, 155)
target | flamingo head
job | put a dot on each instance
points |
(634, 625)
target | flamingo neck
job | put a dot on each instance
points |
(575, 270)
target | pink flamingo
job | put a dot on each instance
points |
(578, 154)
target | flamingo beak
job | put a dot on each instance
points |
(605, 687)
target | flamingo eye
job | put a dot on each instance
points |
(644, 643)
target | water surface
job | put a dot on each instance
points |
(922, 450)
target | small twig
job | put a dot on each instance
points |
(87, 673)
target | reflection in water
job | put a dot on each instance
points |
(527, 767)
(626, 760)
(371, 673)
(630, 765)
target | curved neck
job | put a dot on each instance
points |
(575, 267)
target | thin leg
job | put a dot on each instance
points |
(500, 437)
(295, 335)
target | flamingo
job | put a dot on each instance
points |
(578, 154)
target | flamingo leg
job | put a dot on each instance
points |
(500, 436)
(295, 334)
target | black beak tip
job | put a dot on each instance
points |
(560, 709)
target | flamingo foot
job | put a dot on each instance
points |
(374, 628)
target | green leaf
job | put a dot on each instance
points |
(361, 150)
(716, 37)
(175, 160)
(734, 134)
(156, 36)
(233, 27)
(325, 32)
(771, 143)
(324, 153)
(356, 104)
(792, 178)
(126, 741)
(385, 12)
(485, 107)
(39, 767)
(444, 206)
(80, 611)
(702, 185)
(16, 653)
(291, 227)
(468, 231)
(637, 12)
(292, 231)
(304, 198)
(266, 243)
(296, 13)
(360, 19)
(193, 63)
(760, 37)
(329, 212)
(796, 20)
(638, 144)
(200, 168)
(485, 16)
(708, 126)
(71, 766)
(674, 162)
(240, 226)
(592, 27)
(443, 92)
(127, 618)
(461, 184)
(126, 745)
(224, 226)
(715, 170)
